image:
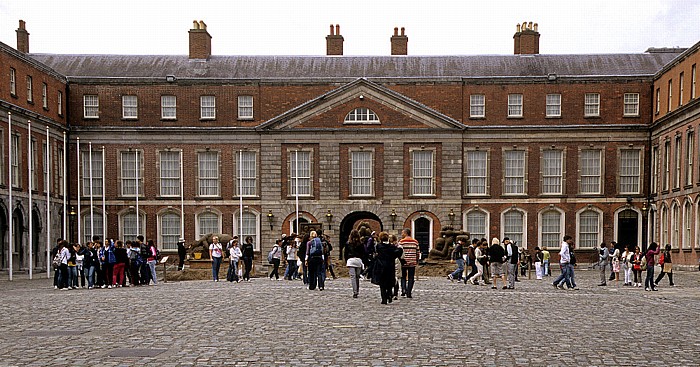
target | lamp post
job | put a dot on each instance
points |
(329, 218)
(392, 216)
(271, 219)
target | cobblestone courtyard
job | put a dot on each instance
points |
(263, 323)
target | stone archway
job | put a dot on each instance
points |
(37, 254)
(18, 261)
(3, 240)
(351, 221)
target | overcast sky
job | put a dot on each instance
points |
(287, 27)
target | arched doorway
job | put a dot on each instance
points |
(17, 237)
(351, 221)
(627, 227)
(36, 231)
(421, 233)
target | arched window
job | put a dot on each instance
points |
(92, 226)
(589, 222)
(687, 225)
(208, 222)
(361, 115)
(476, 223)
(664, 226)
(129, 231)
(676, 225)
(550, 228)
(169, 230)
(514, 226)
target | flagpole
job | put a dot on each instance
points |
(240, 196)
(104, 204)
(48, 206)
(92, 208)
(138, 166)
(9, 192)
(79, 169)
(30, 177)
(182, 199)
(296, 186)
(65, 184)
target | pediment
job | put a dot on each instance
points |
(391, 110)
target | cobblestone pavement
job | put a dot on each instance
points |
(203, 323)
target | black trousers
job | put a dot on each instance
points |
(275, 269)
(248, 262)
(387, 292)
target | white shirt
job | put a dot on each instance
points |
(215, 249)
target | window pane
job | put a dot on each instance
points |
(96, 173)
(169, 231)
(129, 107)
(246, 173)
(589, 224)
(553, 105)
(592, 104)
(168, 107)
(422, 172)
(170, 173)
(208, 223)
(476, 224)
(129, 230)
(208, 107)
(513, 226)
(250, 227)
(629, 171)
(208, 173)
(551, 171)
(477, 105)
(631, 104)
(128, 162)
(551, 227)
(362, 115)
(361, 173)
(300, 173)
(590, 171)
(92, 226)
(476, 172)
(514, 172)
(245, 107)
(515, 105)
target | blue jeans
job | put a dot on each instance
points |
(73, 276)
(90, 276)
(408, 274)
(457, 274)
(565, 277)
(316, 272)
(545, 263)
(215, 266)
(152, 267)
(232, 275)
(570, 268)
(649, 282)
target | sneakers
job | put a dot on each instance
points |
(450, 277)
(560, 286)
(602, 284)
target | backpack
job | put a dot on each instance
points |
(270, 255)
(643, 263)
(56, 262)
(145, 252)
(661, 260)
(316, 247)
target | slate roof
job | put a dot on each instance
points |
(342, 67)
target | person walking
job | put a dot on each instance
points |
(603, 261)
(181, 253)
(354, 253)
(383, 271)
(666, 266)
(564, 259)
(216, 254)
(513, 259)
(275, 259)
(248, 253)
(411, 254)
(481, 259)
(546, 269)
(637, 259)
(292, 258)
(314, 261)
(649, 284)
(456, 256)
(470, 259)
(234, 257)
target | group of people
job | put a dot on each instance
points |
(236, 254)
(487, 263)
(632, 262)
(98, 265)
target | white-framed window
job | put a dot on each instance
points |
(250, 221)
(658, 100)
(59, 170)
(551, 227)
(677, 155)
(591, 105)
(91, 106)
(168, 107)
(693, 75)
(631, 107)
(300, 172)
(515, 105)
(670, 95)
(246, 173)
(3, 159)
(15, 160)
(477, 105)
(552, 171)
(514, 172)
(630, 169)
(361, 115)
(514, 226)
(35, 158)
(590, 171)
(664, 222)
(130, 107)
(208, 163)
(208, 222)
(589, 228)
(654, 169)
(92, 226)
(97, 182)
(207, 107)
(13, 81)
(46, 159)
(675, 225)
(170, 173)
(362, 180)
(681, 81)
(30, 89)
(689, 157)
(44, 96)
(169, 224)
(245, 107)
(422, 172)
(130, 185)
(59, 103)
(476, 172)
(553, 107)
(687, 225)
(476, 222)
(666, 166)
(129, 229)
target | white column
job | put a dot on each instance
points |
(138, 166)
(9, 193)
(30, 160)
(65, 186)
(77, 163)
(47, 183)
(92, 207)
(104, 204)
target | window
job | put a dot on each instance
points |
(208, 173)
(477, 105)
(658, 100)
(677, 155)
(693, 75)
(681, 80)
(629, 171)
(513, 226)
(129, 228)
(689, 157)
(675, 225)
(96, 173)
(670, 95)
(590, 171)
(30, 90)
(514, 172)
(550, 228)
(246, 173)
(60, 102)
(169, 231)
(91, 106)
(589, 229)
(552, 171)
(250, 228)
(300, 171)
(476, 172)
(362, 180)
(654, 169)
(168, 107)
(422, 172)
(59, 171)
(13, 81)
(515, 105)
(208, 222)
(687, 225)
(361, 115)
(553, 108)
(664, 225)
(170, 173)
(130, 108)
(92, 225)
(207, 107)
(15, 159)
(130, 185)
(245, 107)
(44, 96)
(34, 175)
(476, 224)
(591, 106)
(631, 104)
(3, 159)
(666, 166)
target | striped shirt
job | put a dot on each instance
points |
(410, 251)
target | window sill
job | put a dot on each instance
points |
(590, 195)
(168, 119)
(515, 195)
(422, 196)
(46, 108)
(687, 250)
(130, 118)
(677, 189)
(246, 119)
(361, 197)
(13, 95)
(630, 116)
(687, 187)
(477, 117)
(592, 117)
(361, 123)
(249, 197)
(477, 196)
(553, 117)
(515, 117)
(307, 197)
(91, 117)
(170, 197)
(207, 119)
(209, 197)
(558, 195)
(30, 102)
(126, 198)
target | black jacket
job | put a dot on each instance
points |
(354, 250)
(384, 268)
(247, 250)
(496, 253)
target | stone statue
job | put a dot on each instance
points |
(442, 246)
(202, 245)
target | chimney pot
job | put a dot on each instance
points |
(22, 38)
(529, 25)
(396, 31)
(331, 30)
(517, 28)
(195, 24)
(200, 41)
(399, 44)
(527, 40)
(337, 29)
(202, 25)
(535, 27)
(334, 42)
(403, 31)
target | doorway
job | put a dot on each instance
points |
(351, 221)
(422, 235)
(627, 228)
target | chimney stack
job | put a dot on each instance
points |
(334, 42)
(200, 41)
(526, 40)
(22, 38)
(399, 43)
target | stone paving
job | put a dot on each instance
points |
(268, 323)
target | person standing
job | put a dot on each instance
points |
(637, 259)
(248, 253)
(276, 253)
(314, 261)
(234, 257)
(456, 256)
(546, 269)
(354, 253)
(649, 284)
(153, 257)
(411, 254)
(181, 253)
(110, 260)
(666, 266)
(626, 264)
(63, 265)
(603, 256)
(121, 258)
(538, 263)
(292, 258)
(564, 259)
(301, 253)
(135, 261)
(513, 258)
(496, 257)
(383, 271)
(216, 254)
